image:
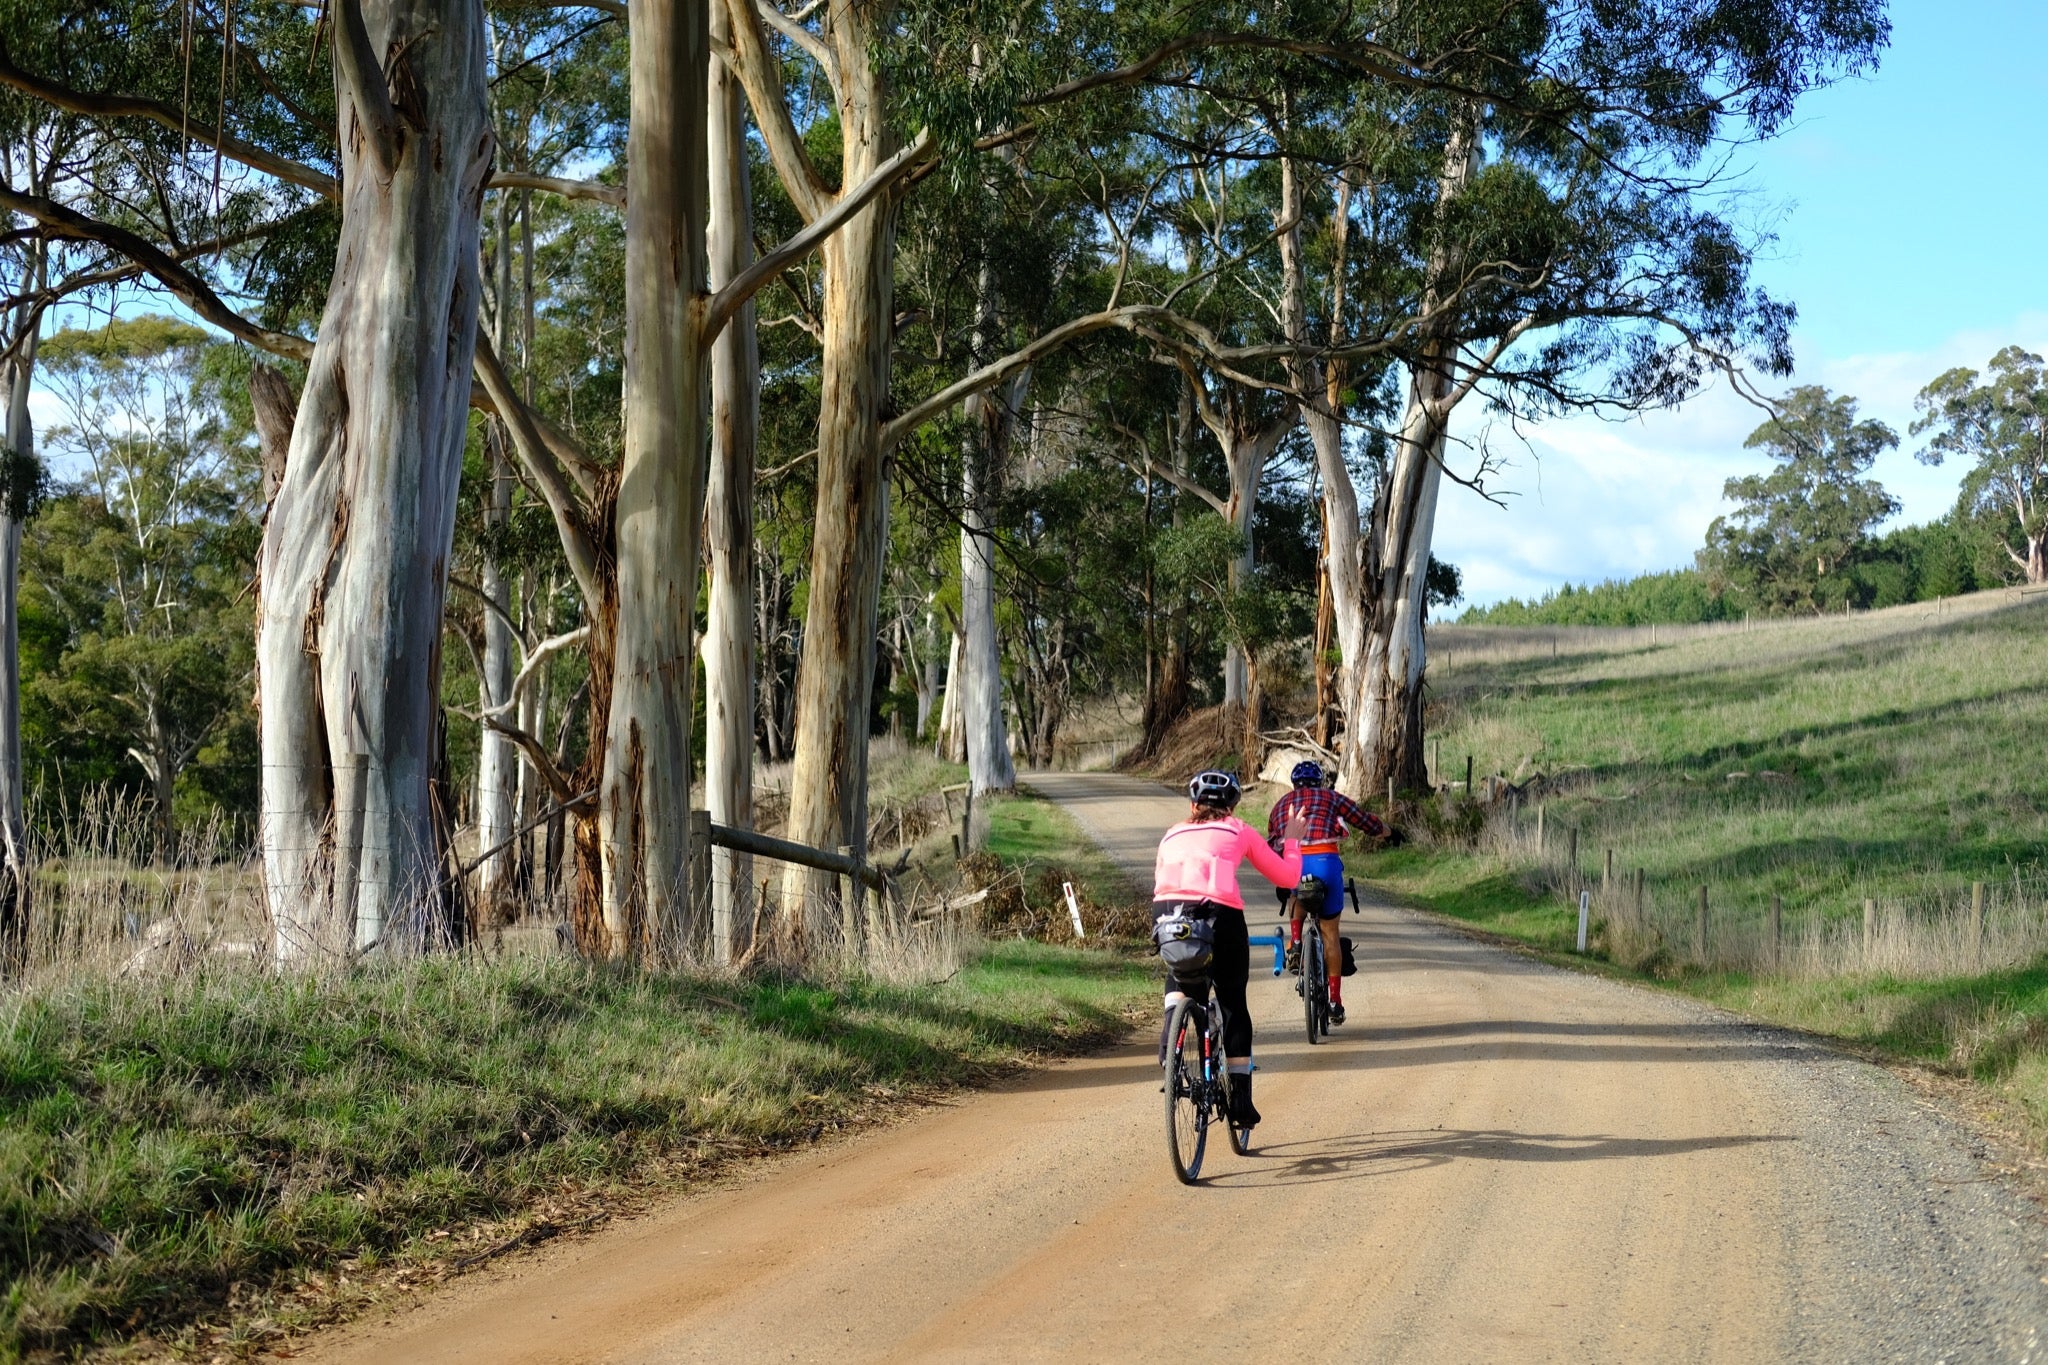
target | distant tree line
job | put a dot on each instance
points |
(1803, 539)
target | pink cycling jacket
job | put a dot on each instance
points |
(1198, 861)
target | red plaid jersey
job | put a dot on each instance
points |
(1330, 815)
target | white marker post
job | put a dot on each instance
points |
(1585, 907)
(1074, 909)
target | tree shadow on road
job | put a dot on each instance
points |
(1361, 1156)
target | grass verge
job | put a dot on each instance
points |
(202, 1165)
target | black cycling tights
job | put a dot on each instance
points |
(1231, 967)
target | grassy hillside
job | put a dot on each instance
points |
(1889, 758)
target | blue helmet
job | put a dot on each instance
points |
(1214, 787)
(1307, 774)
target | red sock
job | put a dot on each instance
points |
(1297, 933)
(1336, 989)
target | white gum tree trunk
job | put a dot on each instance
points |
(991, 418)
(1322, 384)
(952, 742)
(497, 775)
(355, 553)
(835, 675)
(644, 782)
(729, 514)
(14, 879)
(1383, 733)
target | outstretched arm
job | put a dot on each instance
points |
(1359, 818)
(1282, 868)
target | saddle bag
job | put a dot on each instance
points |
(1187, 942)
(1350, 962)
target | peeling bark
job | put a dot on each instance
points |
(355, 553)
(644, 784)
(729, 516)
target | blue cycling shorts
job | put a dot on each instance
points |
(1328, 868)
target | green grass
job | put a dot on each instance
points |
(1903, 746)
(166, 1144)
(1041, 840)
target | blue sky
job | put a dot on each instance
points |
(1912, 224)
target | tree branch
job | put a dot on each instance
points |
(69, 225)
(729, 300)
(761, 75)
(614, 195)
(540, 464)
(363, 75)
(129, 106)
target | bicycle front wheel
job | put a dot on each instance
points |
(1187, 1117)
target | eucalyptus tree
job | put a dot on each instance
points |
(1575, 256)
(1795, 529)
(1997, 420)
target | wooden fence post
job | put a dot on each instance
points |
(1607, 876)
(1700, 934)
(1869, 928)
(1640, 879)
(967, 823)
(698, 893)
(1777, 931)
(852, 899)
(1468, 777)
(1539, 829)
(1977, 924)
(1572, 861)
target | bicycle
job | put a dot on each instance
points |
(1197, 1085)
(1315, 984)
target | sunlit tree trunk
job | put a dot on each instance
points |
(14, 880)
(644, 784)
(729, 515)
(835, 674)
(355, 554)
(496, 765)
(1384, 733)
(991, 417)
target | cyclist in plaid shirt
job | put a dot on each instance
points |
(1329, 816)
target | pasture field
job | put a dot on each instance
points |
(1877, 776)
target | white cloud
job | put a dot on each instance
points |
(1588, 499)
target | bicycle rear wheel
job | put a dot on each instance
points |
(1315, 983)
(1187, 1115)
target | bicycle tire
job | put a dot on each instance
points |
(1315, 983)
(1187, 1113)
(1240, 1138)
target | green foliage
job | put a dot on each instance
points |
(157, 1147)
(1679, 596)
(2001, 427)
(136, 576)
(1797, 527)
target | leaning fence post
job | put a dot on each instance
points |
(1777, 931)
(1976, 924)
(1700, 933)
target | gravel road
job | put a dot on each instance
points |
(1493, 1161)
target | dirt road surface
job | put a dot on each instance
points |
(1493, 1161)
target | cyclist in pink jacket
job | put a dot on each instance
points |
(1195, 877)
